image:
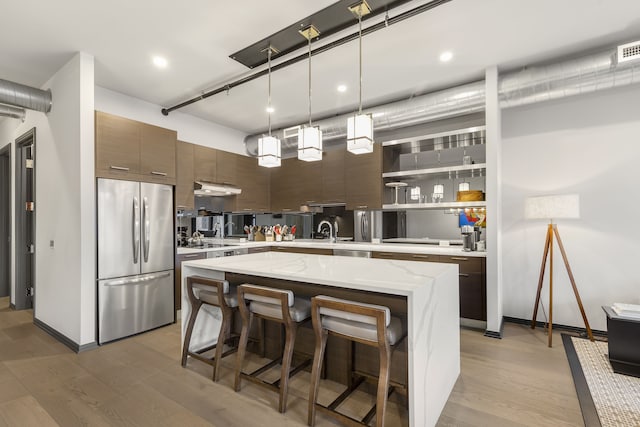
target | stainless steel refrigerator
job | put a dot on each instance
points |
(135, 257)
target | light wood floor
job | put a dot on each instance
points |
(516, 381)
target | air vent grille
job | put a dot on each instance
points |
(629, 52)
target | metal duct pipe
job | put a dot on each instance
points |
(13, 112)
(457, 101)
(25, 96)
(582, 75)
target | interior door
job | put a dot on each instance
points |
(25, 220)
(119, 236)
(5, 220)
(157, 231)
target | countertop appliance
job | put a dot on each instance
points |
(135, 257)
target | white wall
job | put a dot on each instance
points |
(190, 129)
(587, 145)
(65, 202)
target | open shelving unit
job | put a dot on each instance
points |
(445, 159)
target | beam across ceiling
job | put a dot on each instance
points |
(324, 48)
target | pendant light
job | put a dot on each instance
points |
(360, 126)
(269, 150)
(310, 137)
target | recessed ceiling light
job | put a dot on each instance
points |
(446, 56)
(160, 62)
(270, 109)
(342, 88)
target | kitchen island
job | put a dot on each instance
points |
(428, 291)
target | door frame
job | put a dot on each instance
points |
(7, 216)
(21, 299)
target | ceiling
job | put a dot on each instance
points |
(198, 36)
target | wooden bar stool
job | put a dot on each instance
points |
(215, 293)
(278, 306)
(368, 324)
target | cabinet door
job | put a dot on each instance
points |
(310, 182)
(226, 168)
(285, 186)
(117, 146)
(158, 154)
(204, 163)
(472, 296)
(185, 177)
(254, 182)
(363, 175)
(472, 286)
(333, 182)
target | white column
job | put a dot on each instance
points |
(494, 201)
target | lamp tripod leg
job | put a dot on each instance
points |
(573, 283)
(540, 280)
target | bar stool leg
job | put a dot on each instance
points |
(316, 369)
(222, 337)
(287, 355)
(383, 386)
(242, 347)
(195, 307)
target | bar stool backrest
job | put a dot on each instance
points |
(266, 295)
(203, 284)
(328, 309)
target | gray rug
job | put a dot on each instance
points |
(607, 399)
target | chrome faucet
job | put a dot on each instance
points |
(333, 228)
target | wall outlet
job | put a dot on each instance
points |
(51, 243)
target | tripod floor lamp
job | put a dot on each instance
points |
(551, 208)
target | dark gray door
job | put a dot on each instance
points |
(5, 220)
(25, 220)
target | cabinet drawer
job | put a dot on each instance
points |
(467, 264)
(259, 250)
(406, 257)
(313, 251)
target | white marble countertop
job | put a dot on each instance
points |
(363, 246)
(374, 275)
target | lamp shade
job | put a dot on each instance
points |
(360, 134)
(552, 207)
(310, 143)
(269, 154)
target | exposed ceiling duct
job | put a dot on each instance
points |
(582, 75)
(13, 112)
(23, 96)
(457, 101)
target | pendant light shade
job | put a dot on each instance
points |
(310, 143)
(269, 154)
(360, 126)
(360, 134)
(269, 147)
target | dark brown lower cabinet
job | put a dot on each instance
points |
(472, 279)
(473, 285)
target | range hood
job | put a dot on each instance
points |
(202, 188)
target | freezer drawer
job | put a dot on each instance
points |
(134, 304)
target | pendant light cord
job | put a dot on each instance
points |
(309, 38)
(269, 95)
(360, 45)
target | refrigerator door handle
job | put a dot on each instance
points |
(147, 227)
(137, 280)
(135, 232)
